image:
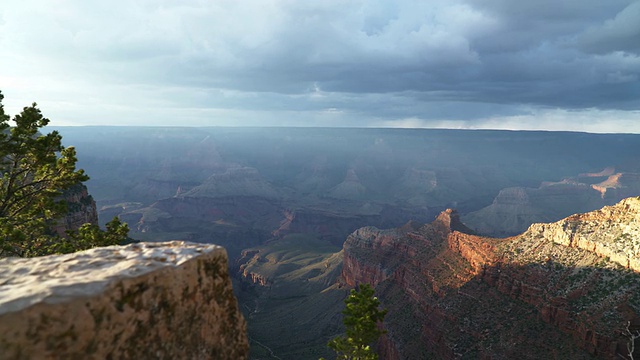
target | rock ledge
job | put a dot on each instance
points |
(160, 300)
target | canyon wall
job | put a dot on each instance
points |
(81, 209)
(562, 290)
(612, 232)
(169, 300)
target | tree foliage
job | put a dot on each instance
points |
(361, 318)
(34, 170)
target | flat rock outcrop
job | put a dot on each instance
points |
(169, 300)
(612, 232)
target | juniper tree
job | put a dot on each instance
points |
(34, 170)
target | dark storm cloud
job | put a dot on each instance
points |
(335, 62)
(505, 51)
(618, 33)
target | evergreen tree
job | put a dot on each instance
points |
(361, 318)
(34, 170)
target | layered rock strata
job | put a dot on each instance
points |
(612, 232)
(565, 290)
(81, 209)
(169, 300)
(516, 208)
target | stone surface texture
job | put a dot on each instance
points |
(170, 300)
(612, 232)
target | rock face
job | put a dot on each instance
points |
(612, 232)
(81, 209)
(235, 181)
(515, 208)
(565, 290)
(167, 301)
(288, 292)
(619, 185)
(350, 188)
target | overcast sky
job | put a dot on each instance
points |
(507, 64)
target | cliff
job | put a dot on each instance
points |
(81, 209)
(514, 209)
(565, 290)
(288, 292)
(618, 185)
(166, 300)
(612, 232)
(241, 222)
(235, 181)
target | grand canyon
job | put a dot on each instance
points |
(239, 179)
(469, 237)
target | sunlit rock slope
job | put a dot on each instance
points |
(565, 290)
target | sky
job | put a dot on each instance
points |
(499, 64)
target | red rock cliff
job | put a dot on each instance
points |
(453, 295)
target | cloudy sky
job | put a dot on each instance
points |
(507, 64)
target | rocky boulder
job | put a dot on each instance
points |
(169, 300)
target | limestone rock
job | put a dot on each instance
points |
(169, 300)
(612, 232)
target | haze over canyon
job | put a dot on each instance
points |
(307, 213)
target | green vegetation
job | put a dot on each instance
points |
(305, 269)
(35, 169)
(361, 317)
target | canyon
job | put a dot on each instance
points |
(282, 201)
(562, 290)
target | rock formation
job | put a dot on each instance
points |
(612, 232)
(289, 292)
(515, 208)
(350, 188)
(565, 290)
(241, 222)
(81, 210)
(165, 301)
(235, 181)
(619, 185)
(334, 226)
(415, 185)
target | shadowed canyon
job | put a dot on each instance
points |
(469, 237)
